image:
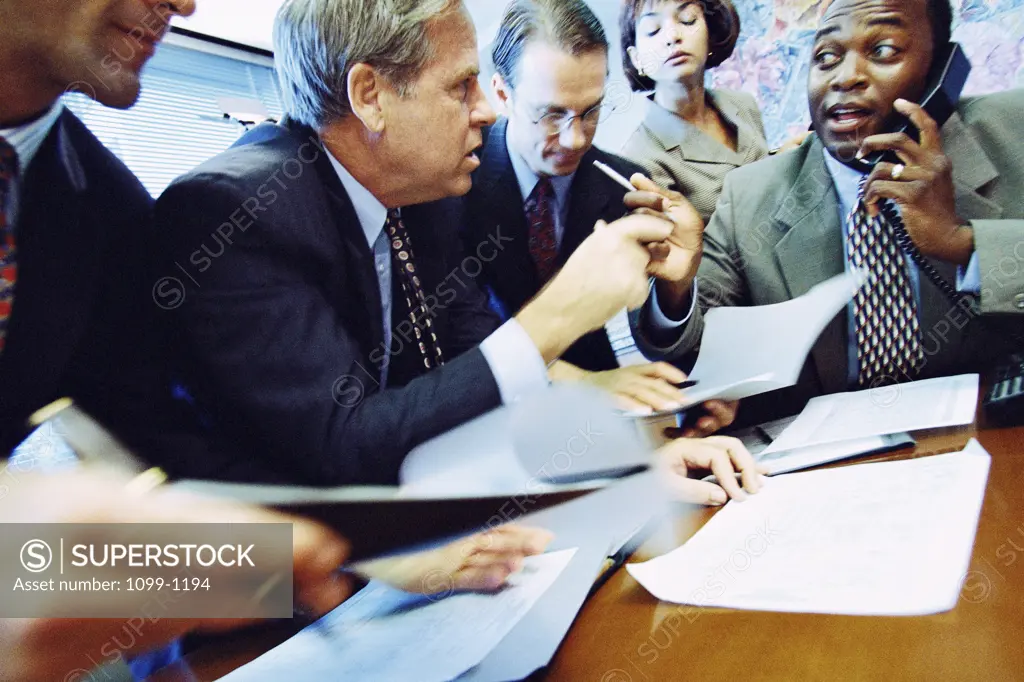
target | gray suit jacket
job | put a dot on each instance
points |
(680, 156)
(777, 232)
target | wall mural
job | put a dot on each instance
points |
(773, 55)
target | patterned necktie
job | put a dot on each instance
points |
(420, 313)
(885, 312)
(8, 252)
(540, 214)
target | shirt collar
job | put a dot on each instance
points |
(371, 213)
(28, 138)
(528, 179)
(846, 181)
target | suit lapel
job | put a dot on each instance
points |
(811, 252)
(587, 203)
(499, 203)
(58, 268)
(358, 272)
(972, 171)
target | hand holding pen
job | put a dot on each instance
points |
(677, 258)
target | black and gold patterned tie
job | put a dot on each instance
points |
(885, 312)
(420, 314)
(8, 245)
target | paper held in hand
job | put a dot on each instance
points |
(746, 351)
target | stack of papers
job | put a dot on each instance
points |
(913, 406)
(384, 634)
(892, 538)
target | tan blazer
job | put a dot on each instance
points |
(777, 232)
(680, 156)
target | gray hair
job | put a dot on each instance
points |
(317, 42)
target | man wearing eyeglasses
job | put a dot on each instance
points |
(537, 192)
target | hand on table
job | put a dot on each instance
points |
(723, 456)
(483, 561)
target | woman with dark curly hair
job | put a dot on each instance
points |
(690, 137)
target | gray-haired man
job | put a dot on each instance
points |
(333, 323)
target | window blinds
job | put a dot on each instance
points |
(177, 123)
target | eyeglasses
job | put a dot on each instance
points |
(556, 123)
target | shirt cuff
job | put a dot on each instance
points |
(515, 362)
(659, 320)
(968, 280)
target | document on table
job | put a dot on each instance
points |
(750, 350)
(913, 406)
(892, 538)
(384, 634)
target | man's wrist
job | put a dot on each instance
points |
(674, 298)
(548, 326)
(963, 244)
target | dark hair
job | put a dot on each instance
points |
(723, 31)
(569, 25)
(940, 14)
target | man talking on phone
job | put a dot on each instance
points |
(790, 222)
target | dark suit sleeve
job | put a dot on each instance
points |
(721, 282)
(273, 362)
(471, 319)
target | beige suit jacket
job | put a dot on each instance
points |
(680, 156)
(777, 232)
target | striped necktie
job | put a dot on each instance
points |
(8, 251)
(420, 313)
(885, 312)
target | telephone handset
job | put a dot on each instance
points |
(941, 96)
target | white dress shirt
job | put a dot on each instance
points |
(26, 140)
(515, 362)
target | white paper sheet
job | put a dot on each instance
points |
(785, 461)
(913, 406)
(385, 634)
(746, 351)
(892, 538)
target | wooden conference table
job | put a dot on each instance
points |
(623, 634)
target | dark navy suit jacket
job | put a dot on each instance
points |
(281, 323)
(495, 215)
(84, 323)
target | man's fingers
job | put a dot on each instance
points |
(693, 491)
(900, 192)
(655, 393)
(723, 413)
(481, 578)
(645, 184)
(643, 229)
(742, 461)
(508, 539)
(660, 251)
(722, 468)
(649, 200)
(931, 137)
(664, 370)
(902, 144)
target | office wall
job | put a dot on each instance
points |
(772, 58)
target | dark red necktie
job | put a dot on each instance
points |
(8, 255)
(420, 313)
(540, 215)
